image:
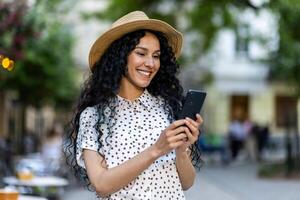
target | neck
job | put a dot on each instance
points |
(129, 91)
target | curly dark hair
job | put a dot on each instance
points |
(101, 87)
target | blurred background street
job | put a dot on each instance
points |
(244, 54)
(230, 183)
(240, 182)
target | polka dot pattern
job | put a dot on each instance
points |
(138, 126)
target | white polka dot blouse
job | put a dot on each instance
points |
(137, 126)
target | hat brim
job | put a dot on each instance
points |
(104, 41)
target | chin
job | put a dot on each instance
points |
(143, 84)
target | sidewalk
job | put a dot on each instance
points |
(237, 182)
(240, 183)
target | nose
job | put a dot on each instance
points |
(149, 62)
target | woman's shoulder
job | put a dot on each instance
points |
(89, 112)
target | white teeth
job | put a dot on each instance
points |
(145, 73)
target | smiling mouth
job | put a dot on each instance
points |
(144, 73)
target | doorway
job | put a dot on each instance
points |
(239, 108)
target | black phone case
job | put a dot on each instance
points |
(193, 104)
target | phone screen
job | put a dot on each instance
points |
(193, 104)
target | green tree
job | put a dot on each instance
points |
(39, 42)
(285, 60)
(41, 47)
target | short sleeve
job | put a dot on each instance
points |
(88, 134)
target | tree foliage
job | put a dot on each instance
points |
(41, 47)
(285, 60)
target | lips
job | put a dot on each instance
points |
(144, 72)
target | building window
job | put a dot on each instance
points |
(242, 40)
(286, 110)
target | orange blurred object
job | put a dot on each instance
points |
(8, 194)
(25, 175)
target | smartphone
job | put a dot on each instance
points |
(193, 104)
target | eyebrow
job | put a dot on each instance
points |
(145, 49)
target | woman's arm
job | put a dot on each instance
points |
(108, 181)
(185, 168)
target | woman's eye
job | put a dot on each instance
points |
(140, 53)
(156, 56)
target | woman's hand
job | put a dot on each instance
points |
(171, 138)
(192, 133)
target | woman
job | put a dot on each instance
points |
(127, 142)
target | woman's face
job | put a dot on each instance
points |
(142, 63)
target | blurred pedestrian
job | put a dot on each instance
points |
(6, 157)
(52, 150)
(261, 134)
(238, 131)
(31, 143)
(126, 139)
(263, 139)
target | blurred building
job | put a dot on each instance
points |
(241, 76)
(39, 121)
(10, 121)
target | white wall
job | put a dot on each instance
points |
(262, 108)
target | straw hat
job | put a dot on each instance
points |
(131, 22)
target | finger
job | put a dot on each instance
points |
(178, 130)
(176, 138)
(195, 130)
(191, 138)
(175, 124)
(199, 119)
(194, 123)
